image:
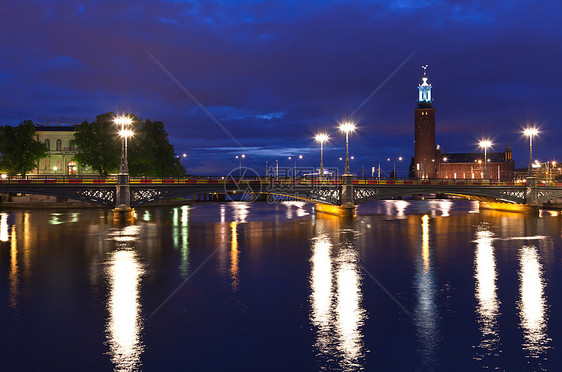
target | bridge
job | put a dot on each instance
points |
(340, 192)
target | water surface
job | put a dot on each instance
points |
(424, 285)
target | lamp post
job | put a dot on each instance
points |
(485, 144)
(347, 127)
(124, 122)
(531, 132)
(321, 138)
(295, 167)
(394, 164)
(240, 157)
(123, 197)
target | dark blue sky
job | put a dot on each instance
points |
(275, 72)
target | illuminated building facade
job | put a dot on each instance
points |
(59, 160)
(425, 156)
(500, 165)
(429, 162)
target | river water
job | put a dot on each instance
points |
(412, 286)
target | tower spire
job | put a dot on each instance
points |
(424, 94)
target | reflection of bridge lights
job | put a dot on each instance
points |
(234, 253)
(532, 305)
(240, 212)
(321, 286)
(425, 242)
(426, 309)
(349, 314)
(401, 206)
(124, 324)
(4, 235)
(14, 280)
(488, 304)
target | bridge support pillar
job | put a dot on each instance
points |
(532, 195)
(123, 211)
(347, 200)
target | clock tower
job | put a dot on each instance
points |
(425, 161)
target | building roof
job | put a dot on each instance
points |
(53, 128)
(494, 157)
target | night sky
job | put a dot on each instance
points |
(273, 73)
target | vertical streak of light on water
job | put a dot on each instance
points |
(426, 310)
(234, 274)
(532, 304)
(487, 307)
(14, 280)
(184, 264)
(336, 312)
(321, 293)
(124, 324)
(4, 233)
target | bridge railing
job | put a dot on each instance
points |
(272, 181)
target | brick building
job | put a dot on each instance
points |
(429, 162)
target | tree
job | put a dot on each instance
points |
(150, 151)
(97, 144)
(19, 149)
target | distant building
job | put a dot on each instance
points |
(499, 165)
(425, 156)
(59, 160)
(428, 160)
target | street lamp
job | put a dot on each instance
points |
(347, 127)
(394, 164)
(321, 138)
(124, 122)
(240, 157)
(531, 132)
(123, 195)
(485, 144)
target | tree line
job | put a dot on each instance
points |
(98, 146)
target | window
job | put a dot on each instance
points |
(48, 144)
(47, 164)
(59, 145)
(72, 168)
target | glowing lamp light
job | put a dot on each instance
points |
(347, 127)
(184, 155)
(300, 156)
(123, 120)
(531, 131)
(4, 176)
(322, 138)
(125, 133)
(485, 143)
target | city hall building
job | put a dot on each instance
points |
(430, 162)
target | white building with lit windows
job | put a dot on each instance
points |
(59, 160)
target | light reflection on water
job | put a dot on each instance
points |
(335, 297)
(125, 323)
(426, 312)
(234, 256)
(532, 305)
(488, 304)
(421, 251)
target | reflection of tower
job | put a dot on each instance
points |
(426, 314)
(424, 157)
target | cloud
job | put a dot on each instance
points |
(276, 72)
